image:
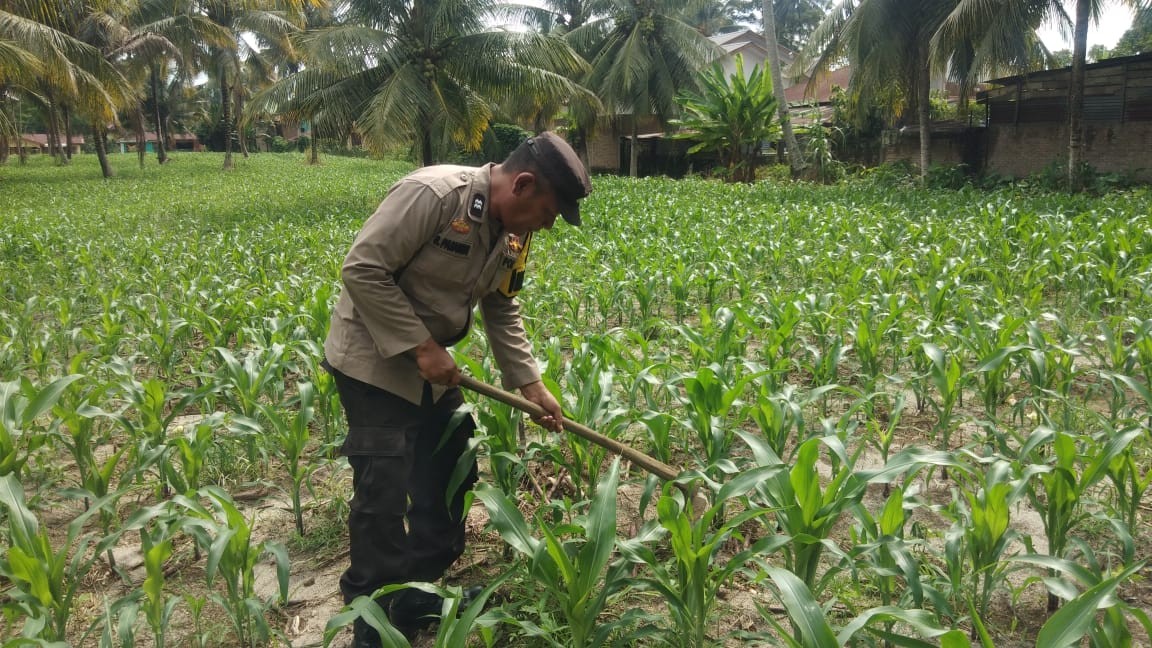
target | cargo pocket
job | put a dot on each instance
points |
(373, 441)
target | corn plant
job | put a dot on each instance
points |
(570, 569)
(225, 536)
(118, 624)
(291, 435)
(243, 385)
(588, 400)
(1066, 471)
(46, 580)
(780, 416)
(1131, 483)
(708, 402)
(191, 449)
(803, 511)
(457, 627)
(21, 404)
(690, 585)
(1093, 609)
(498, 428)
(156, 534)
(811, 628)
(889, 559)
(947, 376)
(778, 339)
(978, 544)
(881, 426)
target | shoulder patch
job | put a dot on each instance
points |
(476, 207)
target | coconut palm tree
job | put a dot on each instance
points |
(888, 43)
(772, 41)
(642, 55)
(251, 26)
(419, 71)
(43, 57)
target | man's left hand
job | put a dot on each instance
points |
(539, 394)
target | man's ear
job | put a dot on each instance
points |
(522, 181)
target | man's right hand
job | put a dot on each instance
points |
(436, 364)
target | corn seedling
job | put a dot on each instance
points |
(225, 536)
(690, 585)
(45, 579)
(569, 561)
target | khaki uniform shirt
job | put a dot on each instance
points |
(416, 270)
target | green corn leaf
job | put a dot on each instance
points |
(1075, 619)
(601, 530)
(46, 398)
(892, 517)
(804, 612)
(507, 519)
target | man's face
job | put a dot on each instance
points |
(534, 208)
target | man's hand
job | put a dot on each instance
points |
(539, 394)
(436, 364)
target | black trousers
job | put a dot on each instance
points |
(401, 526)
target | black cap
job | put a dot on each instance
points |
(563, 170)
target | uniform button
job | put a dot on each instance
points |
(463, 176)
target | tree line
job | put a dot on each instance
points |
(434, 75)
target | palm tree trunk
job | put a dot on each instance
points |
(314, 148)
(425, 146)
(66, 116)
(634, 150)
(226, 118)
(52, 126)
(923, 105)
(141, 140)
(239, 98)
(1076, 96)
(161, 149)
(101, 142)
(771, 42)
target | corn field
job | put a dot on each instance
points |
(918, 417)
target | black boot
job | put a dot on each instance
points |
(414, 609)
(364, 636)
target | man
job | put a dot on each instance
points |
(444, 239)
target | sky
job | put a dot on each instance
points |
(1115, 20)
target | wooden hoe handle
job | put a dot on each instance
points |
(652, 465)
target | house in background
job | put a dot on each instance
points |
(1027, 125)
(177, 142)
(609, 149)
(37, 144)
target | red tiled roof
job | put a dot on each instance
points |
(42, 138)
(822, 93)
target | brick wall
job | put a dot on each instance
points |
(604, 145)
(948, 148)
(1026, 149)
